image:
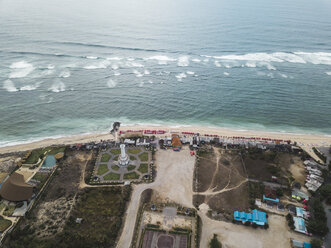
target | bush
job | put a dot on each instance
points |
(318, 222)
(316, 243)
(290, 221)
(214, 243)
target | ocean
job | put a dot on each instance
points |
(71, 67)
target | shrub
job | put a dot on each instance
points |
(316, 243)
(214, 243)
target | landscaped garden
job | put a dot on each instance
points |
(143, 168)
(134, 150)
(131, 167)
(102, 169)
(112, 176)
(115, 151)
(131, 175)
(105, 157)
(143, 157)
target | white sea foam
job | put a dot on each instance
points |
(133, 64)
(91, 57)
(180, 76)
(101, 65)
(116, 73)
(137, 73)
(283, 75)
(161, 59)
(226, 73)
(30, 86)
(111, 83)
(114, 67)
(206, 60)
(328, 73)
(183, 61)
(279, 57)
(150, 81)
(50, 67)
(190, 72)
(57, 87)
(268, 66)
(9, 86)
(146, 72)
(114, 58)
(196, 60)
(227, 66)
(217, 63)
(20, 69)
(250, 64)
(270, 74)
(318, 58)
(130, 59)
(65, 74)
(141, 84)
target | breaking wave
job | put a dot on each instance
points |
(161, 59)
(65, 74)
(111, 83)
(9, 86)
(180, 76)
(57, 87)
(183, 61)
(20, 69)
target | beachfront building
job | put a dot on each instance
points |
(175, 142)
(257, 217)
(16, 189)
(300, 225)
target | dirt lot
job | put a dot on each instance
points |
(263, 165)
(221, 181)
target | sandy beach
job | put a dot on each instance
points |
(306, 141)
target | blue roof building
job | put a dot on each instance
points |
(270, 199)
(257, 217)
(299, 225)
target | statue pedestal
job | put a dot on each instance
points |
(123, 159)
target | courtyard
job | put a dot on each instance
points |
(108, 168)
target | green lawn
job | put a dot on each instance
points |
(102, 169)
(131, 167)
(133, 158)
(131, 175)
(112, 176)
(143, 168)
(134, 150)
(105, 157)
(144, 156)
(56, 150)
(9, 210)
(115, 167)
(35, 155)
(4, 224)
(115, 151)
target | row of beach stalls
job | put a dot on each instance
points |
(314, 178)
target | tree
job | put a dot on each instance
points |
(316, 243)
(214, 243)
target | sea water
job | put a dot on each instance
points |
(70, 67)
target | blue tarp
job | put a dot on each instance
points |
(306, 245)
(270, 199)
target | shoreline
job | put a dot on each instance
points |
(306, 141)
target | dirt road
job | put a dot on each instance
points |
(174, 182)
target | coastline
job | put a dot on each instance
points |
(306, 141)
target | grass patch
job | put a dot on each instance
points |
(143, 168)
(143, 157)
(56, 150)
(35, 155)
(115, 167)
(131, 167)
(112, 176)
(131, 175)
(4, 224)
(42, 178)
(133, 158)
(134, 150)
(105, 157)
(115, 151)
(9, 210)
(102, 169)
